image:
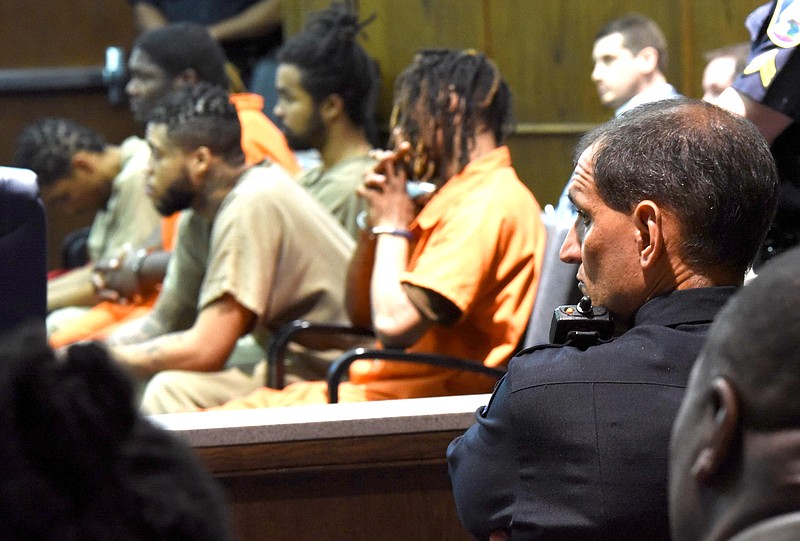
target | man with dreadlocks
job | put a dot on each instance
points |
(452, 272)
(254, 250)
(327, 93)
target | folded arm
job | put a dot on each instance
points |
(147, 17)
(257, 20)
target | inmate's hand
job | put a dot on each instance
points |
(117, 278)
(384, 190)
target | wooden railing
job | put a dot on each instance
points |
(368, 471)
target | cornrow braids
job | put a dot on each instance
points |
(331, 61)
(432, 81)
(47, 146)
(201, 115)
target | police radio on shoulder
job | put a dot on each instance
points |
(581, 325)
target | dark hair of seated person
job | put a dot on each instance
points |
(78, 462)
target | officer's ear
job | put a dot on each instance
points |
(724, 408)
(648, 220)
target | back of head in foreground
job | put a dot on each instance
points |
(735, 449)
(77, 462)
(710, 171)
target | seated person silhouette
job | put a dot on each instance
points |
(736, 441)
(673, 200)
(254, 251)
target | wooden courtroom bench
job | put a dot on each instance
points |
(371, 471)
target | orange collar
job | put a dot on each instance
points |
(457, 186)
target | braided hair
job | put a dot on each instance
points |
(331, 61)
(47, 146)
(201, 115)
(429, 85)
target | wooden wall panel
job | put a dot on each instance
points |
(62, 33)
(388, 487)
(544, 163)
(715, 23)
(543, 48)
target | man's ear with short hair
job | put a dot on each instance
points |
(83, 162)
(647, 59)
(647, 218)
(723, 406)
(200, 160)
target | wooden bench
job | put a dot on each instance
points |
(371, 471)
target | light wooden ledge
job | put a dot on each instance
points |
(328, 421)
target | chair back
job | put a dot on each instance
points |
(23, 249)
(557, 283)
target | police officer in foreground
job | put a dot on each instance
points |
(673, 200)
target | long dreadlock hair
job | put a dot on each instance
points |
(425, 92)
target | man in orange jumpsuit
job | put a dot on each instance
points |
(453, 272)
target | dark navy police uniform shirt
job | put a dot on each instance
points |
(573, 444)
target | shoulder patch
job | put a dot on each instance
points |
(784, 28)
(765, 65)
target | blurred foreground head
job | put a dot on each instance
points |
(735, 449)
(77, 462)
